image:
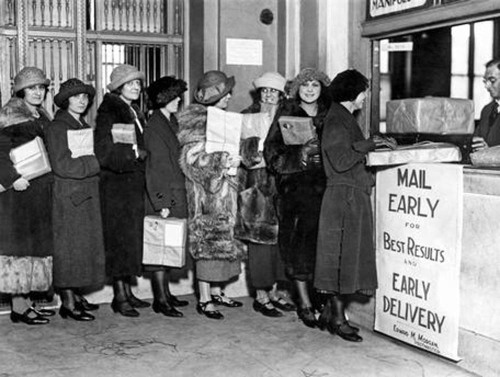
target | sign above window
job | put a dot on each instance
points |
(377, 8)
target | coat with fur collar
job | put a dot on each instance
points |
(211, 192)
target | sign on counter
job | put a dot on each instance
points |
(418, 242)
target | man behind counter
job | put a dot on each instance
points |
(487, 133)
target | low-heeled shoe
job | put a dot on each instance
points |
(166, 309)
(228, 302)
(283, 305)
(268, 312)
(77, 315)
(83, 304)
(174, 301)
(352, 336)
(137, 303)
(124, 308)
(25, 318)
(307, 316)
(201, 308)
(43, 312)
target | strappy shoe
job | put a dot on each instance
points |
(267, 309)
(201, 308)
(307, 316)
(226, 301)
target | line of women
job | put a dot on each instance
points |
(301, 211)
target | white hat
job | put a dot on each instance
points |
(271, 80)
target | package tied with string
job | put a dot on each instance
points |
(164, 241)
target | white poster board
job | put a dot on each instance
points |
(418, 240)
(243, 51)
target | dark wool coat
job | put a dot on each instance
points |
(300, 190)
(257, 220)
(490, 134)
(78, 238)
(25, 216)
(211, 193)
(345, 260)
(165, 181)
(122, 188)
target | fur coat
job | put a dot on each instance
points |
(25, 216)
(211, 192)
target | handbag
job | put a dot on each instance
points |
(31, 159)
(164, 241)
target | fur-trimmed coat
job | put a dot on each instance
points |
(122, 188)
(25, 216)
(211, 192)
(257, 220)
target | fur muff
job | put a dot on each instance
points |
(211, 193)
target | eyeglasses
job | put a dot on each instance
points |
(269, 90)
(491, 80)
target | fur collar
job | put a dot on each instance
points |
(17, 111)
(112, 103)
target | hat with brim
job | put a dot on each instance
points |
(29, 76)
(70, 88)
(123, 74)
(164, 90)
(270, 80)
(213, 86)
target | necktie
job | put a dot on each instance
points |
(493, 114)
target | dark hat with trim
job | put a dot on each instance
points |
(71, 88)
(164, 90)
(213, 86)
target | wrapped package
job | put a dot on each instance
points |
(432, 115)
(124, 133)
(81, 142)
(486, 157)
(421, 152)
(164, 241)
(31, 159)
(296, 130)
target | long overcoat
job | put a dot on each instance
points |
(78, 236)
(345, 261)
(122, 188)
(257, 219)
(300, 189)
(211, 192)
(165, 181)
(25, 216)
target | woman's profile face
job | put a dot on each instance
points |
(360, 100)
(310, 91)
(173, 106)
(131, 90)
(223, 102)
(78, 103)
(34, 95)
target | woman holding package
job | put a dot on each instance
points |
(300, 181)
(25, 207)
(78, 241)
(212, 197)
(119, 147)
(345, 262)
(257, 220)
(165, 181)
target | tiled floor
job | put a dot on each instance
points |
(244, 344)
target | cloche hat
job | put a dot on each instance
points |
(308, 74)
(29, 76)
(164, 90)
(123, 74)
(213, 86)
(270, 80)
(70, 88)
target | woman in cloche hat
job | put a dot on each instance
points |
(25, 207)
(165, 182)
(119, 147)
(78, 241)
(212, 197)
